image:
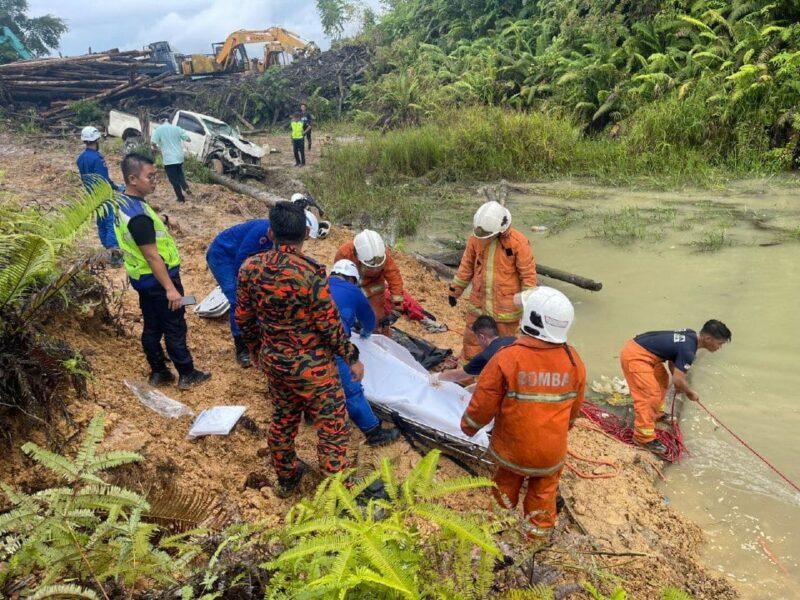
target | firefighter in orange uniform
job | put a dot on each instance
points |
(499, 262)
(533, 389)
(376, 268)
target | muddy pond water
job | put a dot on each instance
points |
(673, 260)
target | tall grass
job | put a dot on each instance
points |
(381, 179)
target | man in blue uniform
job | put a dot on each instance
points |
(355, 308)
(153, 264)
(227, 253)
(643, 361)
(92, 167)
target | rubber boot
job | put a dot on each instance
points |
(287, 486)
(656, 447)
(377, 436)
(242, 353)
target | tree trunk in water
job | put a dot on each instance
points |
(440, 264)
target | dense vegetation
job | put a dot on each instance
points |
(39, 34)
(660, 92)
(731, 65)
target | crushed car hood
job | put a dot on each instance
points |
(245, 146)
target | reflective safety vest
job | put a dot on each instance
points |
(297, 130)
(135, 263)
(533, 391)
(498, 268)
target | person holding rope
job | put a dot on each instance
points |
(533, 390)
(643, 361)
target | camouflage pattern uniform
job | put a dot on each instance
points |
(293, 330)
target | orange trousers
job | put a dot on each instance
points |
(471, 347)
(539, 505)
(648, 381)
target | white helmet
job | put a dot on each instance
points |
(370, 249)
(491, 219)
(347, 268)
(547, 314)
(298, 196)
(312, 224)
(90, 134)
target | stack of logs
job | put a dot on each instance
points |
(55, 83)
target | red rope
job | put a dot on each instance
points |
(749, 447)
(619, 430)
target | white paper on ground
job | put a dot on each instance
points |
(155, 400)
(393, 379)
(218, 420)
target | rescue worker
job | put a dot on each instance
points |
(298, 141)
(489, 340)
(533, 390)
(377, 270)
(225, 255)
(153, 265)
(169, 139)
(499, 263)
(293, 329)
(642, 360)
(355, 308)
(92, 167)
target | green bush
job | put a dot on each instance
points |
(87, 112)
(196, 171)
(86, 530)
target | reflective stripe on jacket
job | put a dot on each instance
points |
(135, 263)
(533, 391)
(498, 268)
(375, 284)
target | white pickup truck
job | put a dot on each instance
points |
(211, 141)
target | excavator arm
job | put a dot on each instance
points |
(276, 38)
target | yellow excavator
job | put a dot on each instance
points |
(230, 56)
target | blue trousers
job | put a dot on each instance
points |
(226, 273)
(357, 406)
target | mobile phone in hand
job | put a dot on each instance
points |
(188, 300)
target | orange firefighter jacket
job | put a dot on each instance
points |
(498, 268)
(375, 284)
(533, 390)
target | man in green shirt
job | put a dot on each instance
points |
(169, 138)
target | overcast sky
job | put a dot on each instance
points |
(189, 25)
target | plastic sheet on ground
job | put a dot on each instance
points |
(218, 420)
(155, 400)
(393, 379)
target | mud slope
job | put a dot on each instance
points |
(624, 514)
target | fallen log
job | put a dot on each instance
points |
(268, 198)
(447, 272)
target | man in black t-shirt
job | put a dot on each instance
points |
(642, 360)
(305, 119)
(486, 331)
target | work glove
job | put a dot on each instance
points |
(452, 300)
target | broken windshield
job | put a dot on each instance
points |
(220, 129)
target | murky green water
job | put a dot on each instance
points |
(664, 280)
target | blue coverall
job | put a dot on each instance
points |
(92, 166)
(227, 253)
(354, 306)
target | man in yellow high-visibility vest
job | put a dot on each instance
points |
(298, 141)
(153, 264)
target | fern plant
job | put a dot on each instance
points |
(672, 593)
(86, 530)
(337, 548)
